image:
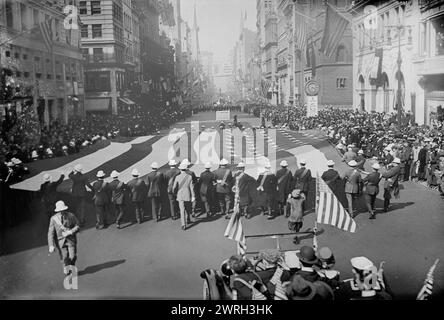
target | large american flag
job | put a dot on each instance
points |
(46, 30)
(234, 231)
(330, 209)
(335, 25)
(301, 34)
(426, 290)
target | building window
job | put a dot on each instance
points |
(82, 7)
(36, 15)
(17, 55)
(26, 74)
(97, 81)
(95, 7)
(98, 54)
(341, 83)
(341, 54)
(7, 54)
(84, 31)
(96, 30)
(38, 75)
(18, 74)
(49, 76)
(438, 24)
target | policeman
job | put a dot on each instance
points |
(224, 180)
(353, 181)
(371, 191)
(267, 190)
(170, 175)
(207, 190)
(391, 182)
(284, 188)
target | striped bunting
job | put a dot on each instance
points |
(331, 211)
(426, 290)
(279, 291)
(46, 30)
(335, 25)
(234, 231)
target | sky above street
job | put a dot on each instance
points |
(219, 22)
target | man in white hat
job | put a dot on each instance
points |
(331, 176)
(118, 190)
(224, 179)
(170, 175)
(267, 191)
(367, 284)
(349, 155)
(78, 191)
(391, 177)
(285, 178)
(63, 227)
(184, 189)
(48, 192)
(155, 183)
(244, 186)
(360, 160)
(102, 199)
(302, 179)
(353, 183)
(137, 189)
(195, 185)
(371, 190)
(207, 190)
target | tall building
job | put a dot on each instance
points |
(419, 43)
(111, 48)
(47, 73)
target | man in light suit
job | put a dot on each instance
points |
(155, 184)
(63, 227)
(118, 189)
(137, 189)
(170, 175)
(184, 190)
(102, 200)
(353, 181)
(79, 193)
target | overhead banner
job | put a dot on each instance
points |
(312, 106)
(223, 115)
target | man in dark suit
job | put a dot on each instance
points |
(244, 185)
(118, 192)
(331, 176)
(284, 188)
(371, 183)
(102, 197)
(137, 189)
(353, 181)
(170, 175)
(302, 178)
(360, 159)
(78, 191)
(207, 190)
(224, 179)
(391, 182)
(267, 190)
(63, 227)
(48, 192)
(195, 186)
(155, 184)
(308, 259)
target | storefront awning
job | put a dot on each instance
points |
(97, 104)
(127, 101)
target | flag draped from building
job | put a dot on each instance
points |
(265, 87)
(301, 34)
(234, 231)
(426, 290)
(335, 25)
(330, 210)
(46, 30)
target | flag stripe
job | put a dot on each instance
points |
(45, 28)
(334, 29)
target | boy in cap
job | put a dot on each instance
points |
(155, 184)
(78, 191)
(63, 227)
(170, 175)
(207, 190)
(137, 191)
(371, 190)
(284, 186)
(353, 183)
(102, 197)
(295, 212)
(118, 189)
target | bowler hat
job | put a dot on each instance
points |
(307, 255)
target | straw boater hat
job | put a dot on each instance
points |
(100, 174)
(397, 161)
(241, 165)
(353, 163)
(223, 162)
(284, 163)
(172, 163)
(183, 166)
(46, 177)
(135, 173)
(208, 165)
(78, 168)
(60, 206)
(303, 162)
(185, 162)
(154, 165)
(114, 174)
(361, 263)
(330, 163)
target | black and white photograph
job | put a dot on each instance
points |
(222, 151)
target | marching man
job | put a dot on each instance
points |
(267, 190)
(63, 227)
(284, 177)
(224, 179)
(184, 189)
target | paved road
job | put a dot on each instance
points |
(159, 260)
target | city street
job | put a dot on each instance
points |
(159, 260)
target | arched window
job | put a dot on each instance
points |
(341, 54)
